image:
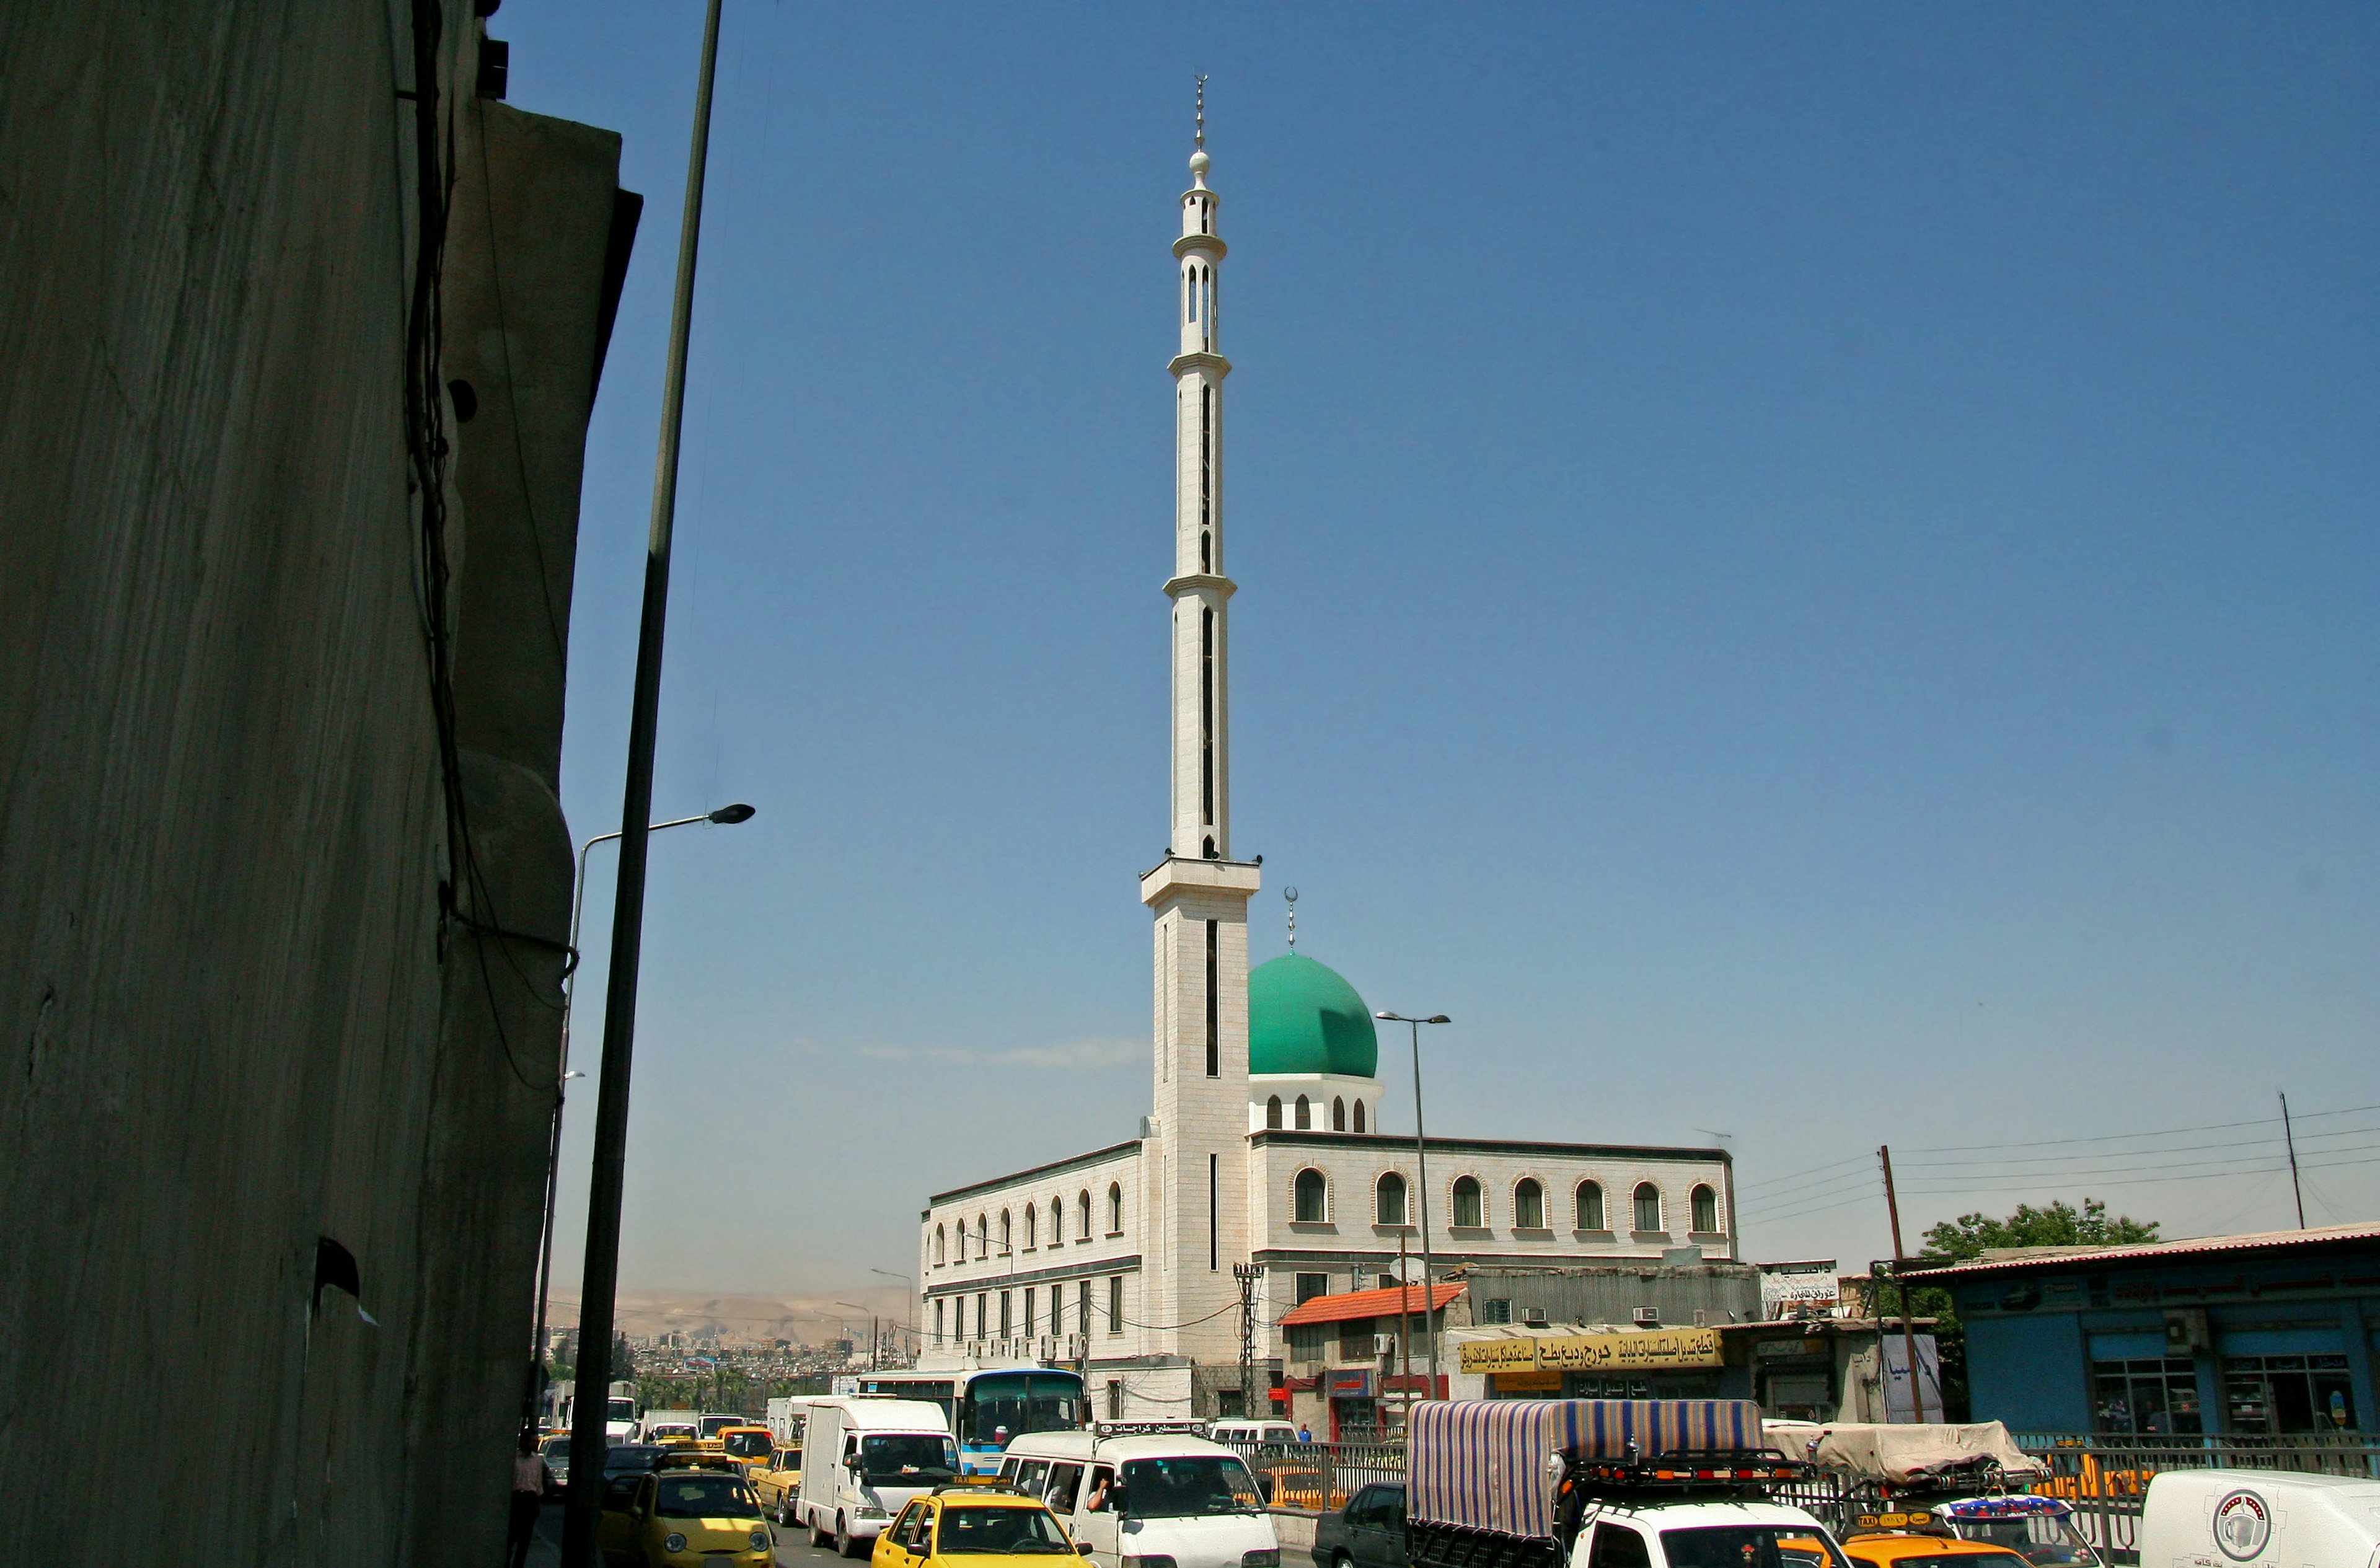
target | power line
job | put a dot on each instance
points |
(2119, 1138)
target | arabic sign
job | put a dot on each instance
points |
(1587, 1353)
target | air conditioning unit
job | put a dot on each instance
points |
(1384, 1345)
(1534, 1317)
(1647, 1316)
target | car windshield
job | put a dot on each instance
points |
(1001, 1405)
(745, 1445)
(1005, 1530)
(2045, 1540)
(911, 1458)
(1754, 1546)
(557, 1448)
(1187, 1485)
(630, 1458)
(621, 1410)
(680, 1496)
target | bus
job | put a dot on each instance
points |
(986, 1406)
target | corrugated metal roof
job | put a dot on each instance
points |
(1347, 1308)
(2253, 1241)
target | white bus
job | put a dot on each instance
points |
(987, 1407)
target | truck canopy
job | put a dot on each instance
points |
(1487, 1464)
(1907, 1454)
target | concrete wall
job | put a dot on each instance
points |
(237, 1015)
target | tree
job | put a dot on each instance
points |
(2057, 1225)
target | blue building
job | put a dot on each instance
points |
(2263, 1333)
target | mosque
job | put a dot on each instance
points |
(1263, 1180)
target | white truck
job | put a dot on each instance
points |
(1594, 1483)
(620, 1410)
(863, 1458)
(2259, 1519)
(1154, 1497)
(659, 1424)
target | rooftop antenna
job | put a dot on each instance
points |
(1289, 893)
(1202, 109)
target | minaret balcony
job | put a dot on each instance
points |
(1200, 582)
(1205, 244)
(1181, 873)
(1199, 359)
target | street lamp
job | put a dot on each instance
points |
(725, 816)
(1421, 1166)
(871, 1329)
(909, 1285)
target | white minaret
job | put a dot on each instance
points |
(1197, 1164)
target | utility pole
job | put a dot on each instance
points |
(1908, 1334)
(1245, 1274)
(2289, 1136)
(603, 1272)
(1404, 1331)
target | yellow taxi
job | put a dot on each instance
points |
(777, 1482)
(1928, 1551)
(689, 1518)
(697, 1458)
(746, 1445)
(972, 1526)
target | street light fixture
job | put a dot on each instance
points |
(871, 1329)
(1421, 1170)
(726, 816)
(910, 1286)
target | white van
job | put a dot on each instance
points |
(1234, 1429)
(863, 1459)
(2249, 1518)
(1178, 1499)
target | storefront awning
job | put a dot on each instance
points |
(1357, 1304)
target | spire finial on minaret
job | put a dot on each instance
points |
(1201, 138)
(1289, 894)
(1198, 159)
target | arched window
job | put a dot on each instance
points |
(940, 1246)
(1337, 1114)
(1057, 1221)
(1115, 1209)
(1389, 1205)
(1590, 1206)
(1467, 1208)
(1083, 1215)
(1272, 1113)
(1305, 1114)
(1528, 1205)
(1006, 1239)
(1311, 1197)
(1359, 1115)
(982, 1236)
(1648, 1207)
(1703, 1205)
(1032, 1229)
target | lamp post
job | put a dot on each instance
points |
(872, 1331)
(909, 1285)
(726, 816)
(1421, 1171)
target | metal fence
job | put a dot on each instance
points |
(2105, 1477)
(1319, 1477)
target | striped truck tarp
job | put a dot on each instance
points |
(1484, 1464)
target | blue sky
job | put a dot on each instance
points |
(1806, 573)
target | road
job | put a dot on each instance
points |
(794, 1549)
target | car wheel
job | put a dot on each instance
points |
(842, 1541)
(1341, 1559)
(818, 1535)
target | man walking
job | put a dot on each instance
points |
(530, 1474)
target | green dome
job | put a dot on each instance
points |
(1304, 1018)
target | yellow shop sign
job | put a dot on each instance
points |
(1498, 1355)
(1647, 1348)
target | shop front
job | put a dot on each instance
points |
(1620, 1364)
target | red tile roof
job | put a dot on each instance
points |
(2254, 1241)
(1368, 1304)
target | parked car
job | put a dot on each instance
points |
(1368, 1533)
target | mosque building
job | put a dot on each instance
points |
(1264, 1164)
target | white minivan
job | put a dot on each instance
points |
(2249, 1518)
(863, 1459)
(1257, 1431)
(1175, 1499)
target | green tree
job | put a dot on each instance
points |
(2058, 1225)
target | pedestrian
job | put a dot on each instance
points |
(1302, 1435)
(530, 1476)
